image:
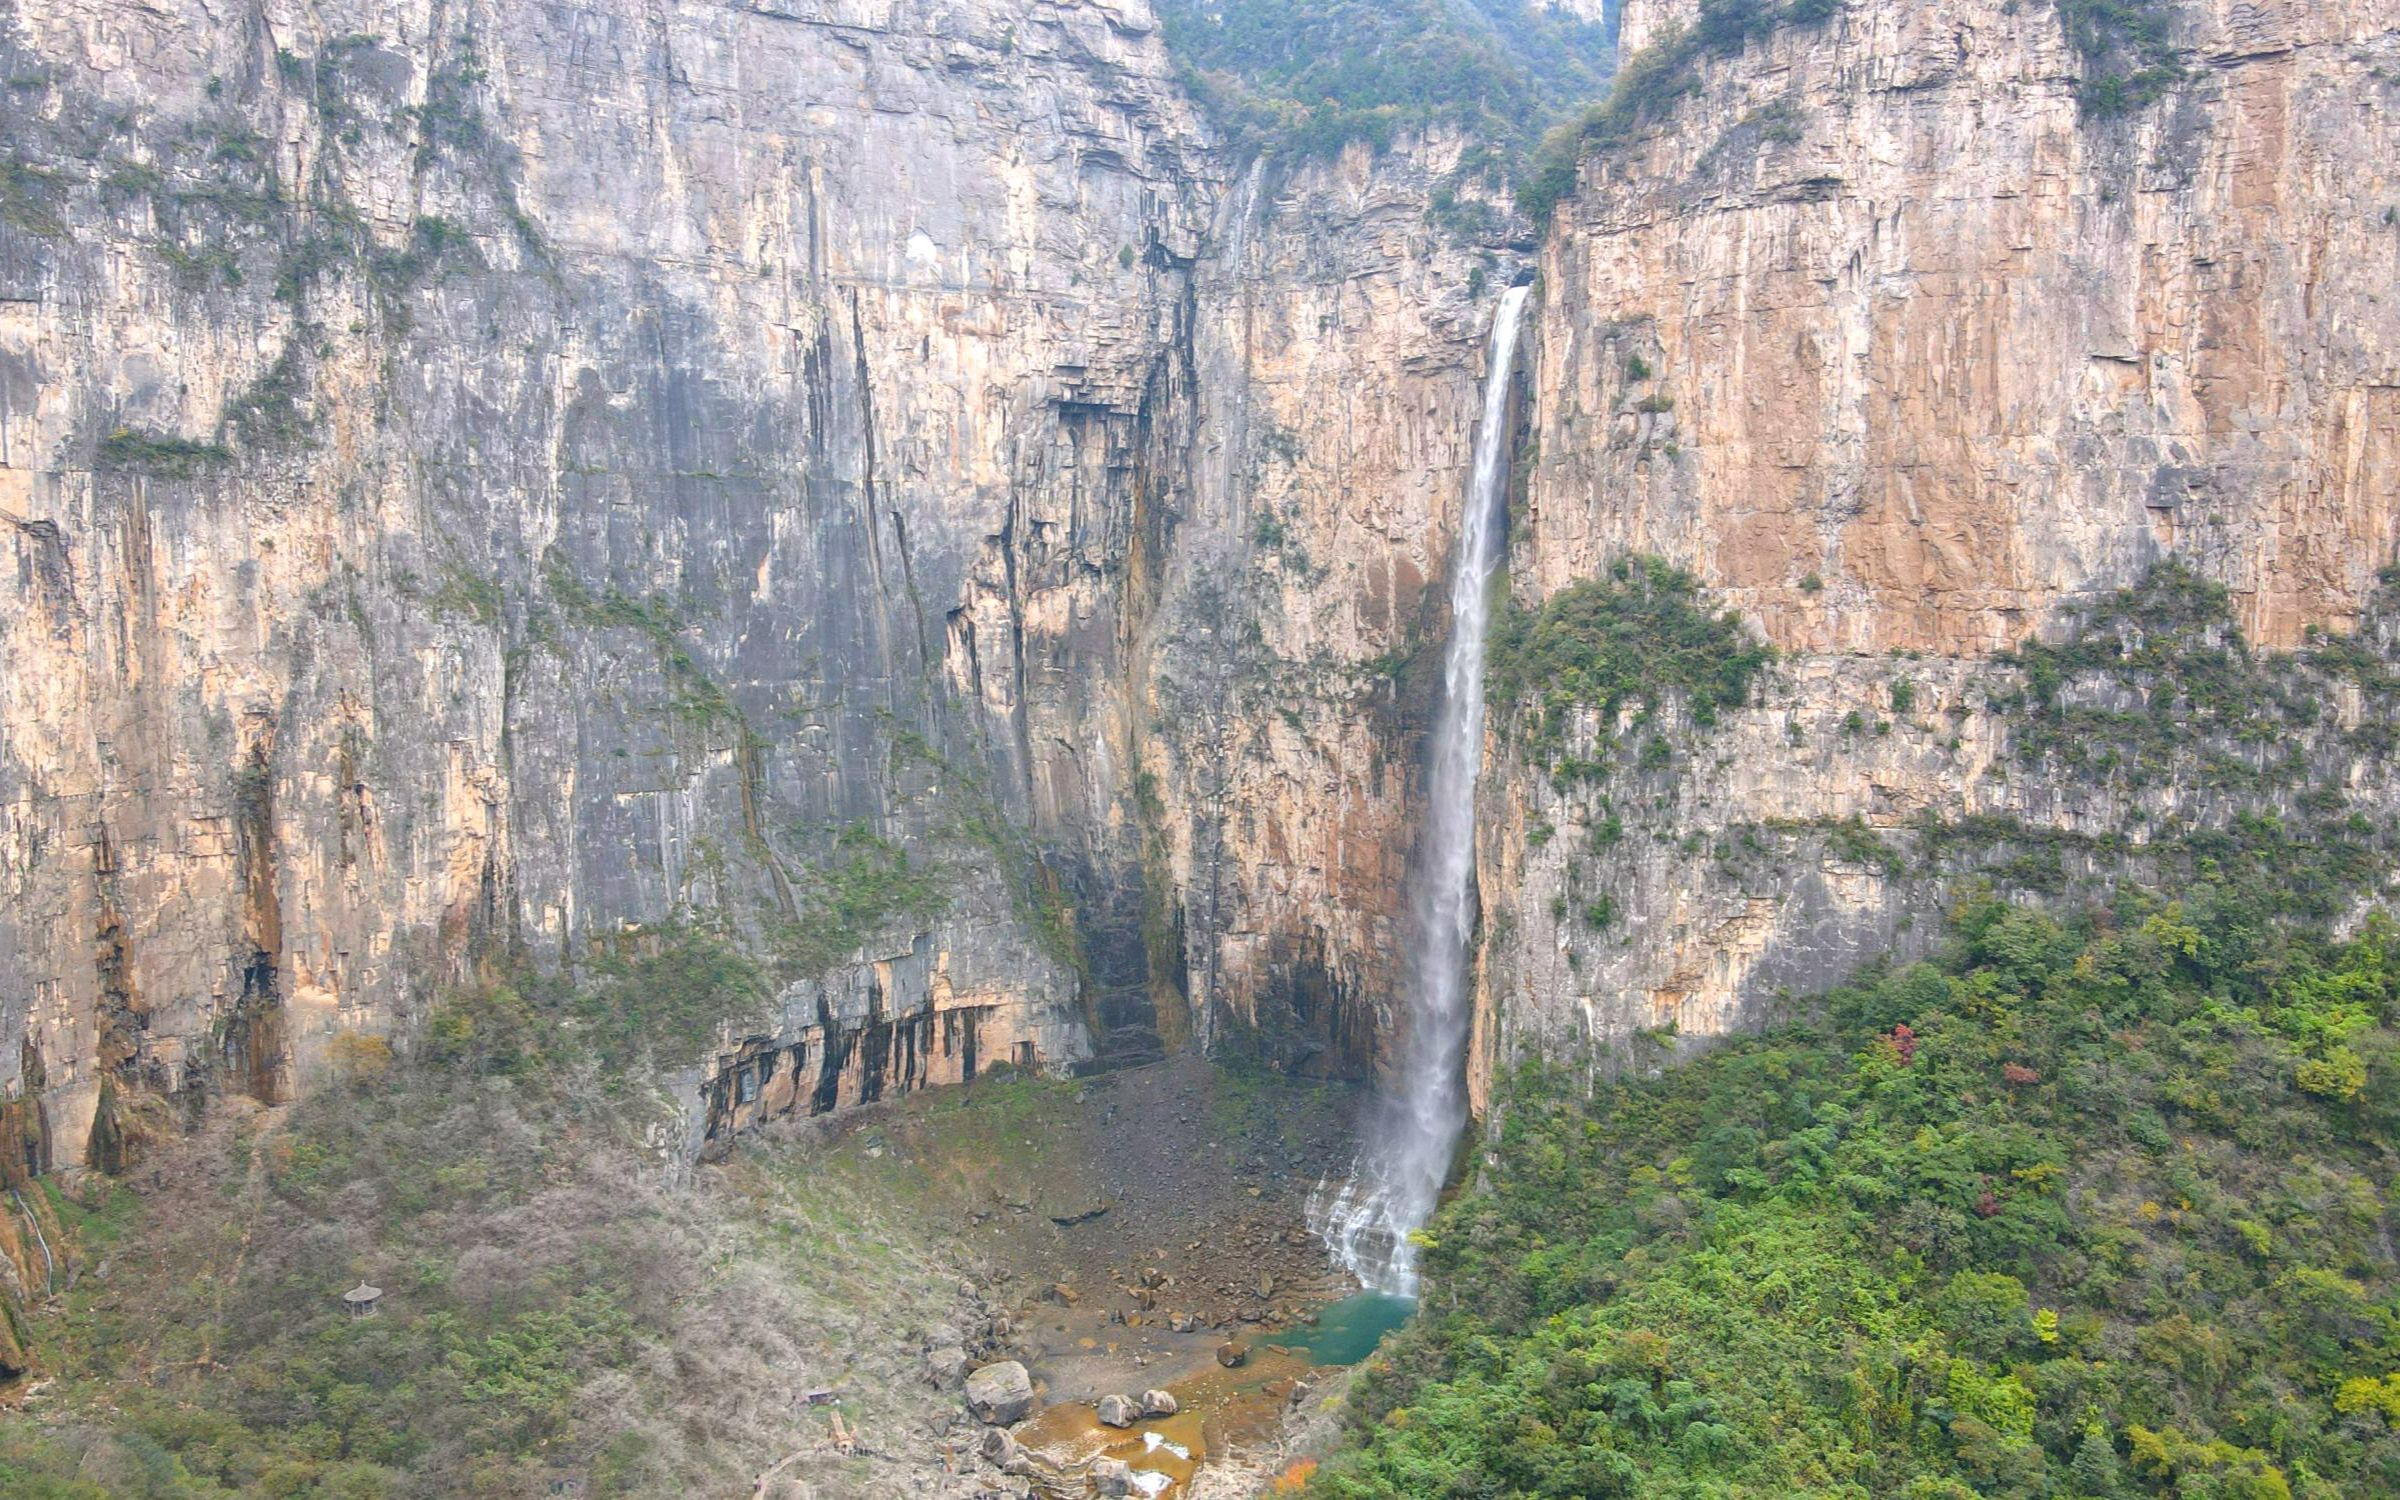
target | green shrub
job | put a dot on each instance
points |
(2127, 49)
(139, 452)
(1851, 839)
(1632, 637)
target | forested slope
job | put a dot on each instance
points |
(2095, 1203)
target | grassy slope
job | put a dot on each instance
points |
(550, 1305)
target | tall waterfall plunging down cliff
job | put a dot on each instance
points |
(1366, 1223)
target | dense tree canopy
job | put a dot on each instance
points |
(1313, 75)
(2090, 1205)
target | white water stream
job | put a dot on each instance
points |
(1414, 1129)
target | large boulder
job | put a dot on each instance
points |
(1119, 1411)
(999, 1394)
(1159, 1404)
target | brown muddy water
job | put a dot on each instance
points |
(1219, 1410)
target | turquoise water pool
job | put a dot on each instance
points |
(1348, 1330)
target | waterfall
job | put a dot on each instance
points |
(1415, 1126)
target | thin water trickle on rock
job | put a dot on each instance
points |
(1366, 1222)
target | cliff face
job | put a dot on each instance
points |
(1935, 339)
(1909, 360)
(489, 481)
(1339, 355)
(494, 483)
(486, 476)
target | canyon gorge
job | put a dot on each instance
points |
(907, 497)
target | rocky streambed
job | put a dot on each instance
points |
(1234, 1416)
(1244, 1414)
(1143, 1310)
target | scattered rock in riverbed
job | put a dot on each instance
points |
(1232, 1353)
(997, 1447)
(1159, 1404)
(999, 1394)
(1113, 1475)
(1118, 1411)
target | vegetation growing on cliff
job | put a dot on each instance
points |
(651, 999)
(1309, 77)
(1632, 637)
(869, 883)
(2154, 687)
(1650, 83)
(2156, 680)
(2093, 1205)
(2128, 52)
(130, 449)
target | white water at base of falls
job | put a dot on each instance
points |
(1414, 1128)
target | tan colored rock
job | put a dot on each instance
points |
(1000, 1394)
(1919, 370)
(1960, 353)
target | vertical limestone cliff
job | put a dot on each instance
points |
(1293, 666)
(481, 478)
(1910, 359)
(495, 484)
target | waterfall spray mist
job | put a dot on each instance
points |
(1415, 1127)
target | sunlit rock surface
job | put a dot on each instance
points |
(480, 479)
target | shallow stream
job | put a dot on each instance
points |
(1219, 1409)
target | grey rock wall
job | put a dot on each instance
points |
(486, 480)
